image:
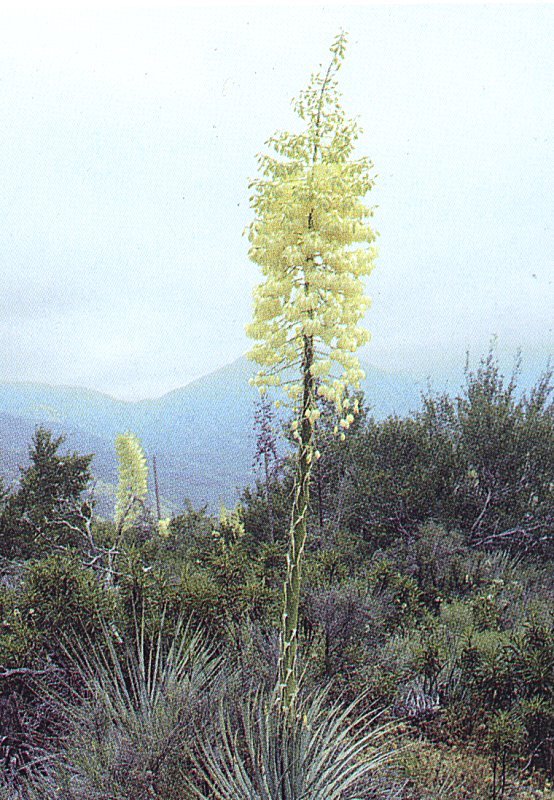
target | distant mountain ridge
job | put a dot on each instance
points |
(202, 434)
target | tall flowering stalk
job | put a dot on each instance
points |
(133, 480)
(312, 239)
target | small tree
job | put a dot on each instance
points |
(51, 480)
(48, 503)
(312, 239)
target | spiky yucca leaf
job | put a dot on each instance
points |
(129, 736)
(319, 751)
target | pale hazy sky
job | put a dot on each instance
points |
(128, 136)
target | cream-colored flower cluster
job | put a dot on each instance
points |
(312, 239)
(133, 479)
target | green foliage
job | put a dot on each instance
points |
(402, 590)
(407, 596)
(59, 602)
(188, 541)
(478, 463)
(45, 511)
(19, 637)
(444, 773)
(320, 751)
(62, 599)
(254, 500)
(130, 735)
(52, 480)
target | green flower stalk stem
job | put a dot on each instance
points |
(298, 533)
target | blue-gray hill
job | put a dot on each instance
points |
(201, 434)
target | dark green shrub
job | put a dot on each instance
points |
(401, 590)
(61, 598)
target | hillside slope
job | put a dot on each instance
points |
(201, 434)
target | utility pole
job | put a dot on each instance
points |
(156, 488)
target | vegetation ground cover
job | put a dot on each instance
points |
(427, 592)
